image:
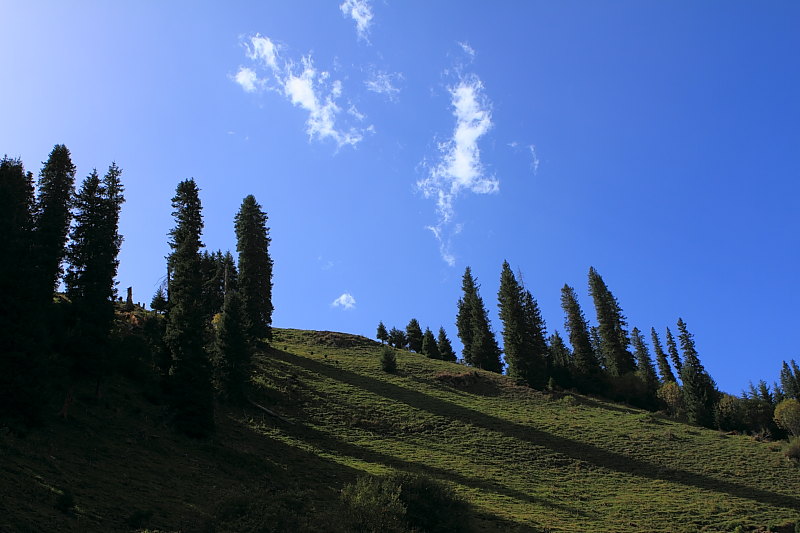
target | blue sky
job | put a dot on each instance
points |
(394, 143)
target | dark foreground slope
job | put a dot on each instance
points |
(526, 461)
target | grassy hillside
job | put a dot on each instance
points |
(525, 461)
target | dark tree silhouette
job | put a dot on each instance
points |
(446, 351)
(583, 357)
(661, 358)
(190, 381)
(255, 268)
(414, 335)
(382, 335)
(480, 345)
(699, 390)
(429, 347)
(613, 335)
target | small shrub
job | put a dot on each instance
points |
(402, 502)
(388, 360)
(372, 505)
(793, 450)
(138, 518)
(787, 416)
(672, 397)
(569, 401)
(730, 414)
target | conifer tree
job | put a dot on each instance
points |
(255, 268)
(55, 189)
(414, 335)
(699, 391)
(444, 346)
(429, 346)
(672, 348)
(613, 335)
(644, 365)
(790, 380)
(523, 333)
(397, 338)
(480, 345)
(661, 358)
(232, 353)
(159, 302)
(594, 339)
(92, 258)
(382, 335)
(21, 352)
(582, 355)
(191, 396)
(559, 354)
(516, 343)
(464, 315)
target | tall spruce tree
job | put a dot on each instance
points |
(191, 390)
(381, 334)
(644, 365)
(614, 339)
(414, 335)
(92, 257)
(255, 268)
(231, 350)
(523, 332)
(672, 349)
(55, 189)
(480, 345)
(516, 340)
(21, 350)
(790, 380)
(464, 315)
(661, 358)
(397, 338)
(429, 346)
(699, 390)
(575, 323)
(559, 354)
(444, 346)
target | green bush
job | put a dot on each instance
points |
(787, 416)
(729, 414)
(388, 360)
(404, 502)
(792, 450)
(372, 505)
(671, 396)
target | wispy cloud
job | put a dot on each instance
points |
(534, 159)
(361, 12)
(467, 48)
(305, 86)
(460, 168)
(384, 83)
(345, 301)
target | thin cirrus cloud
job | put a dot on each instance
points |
(305, 86)
(384, 83)
(345, 301)
(460, 168)
(361, 12)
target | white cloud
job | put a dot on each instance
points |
(460, 168)
(467, 48)
(263, 49)
(247, 78)
(345, 301)
(534, 159)
(305, 87)
(361, 12)
(384, 83)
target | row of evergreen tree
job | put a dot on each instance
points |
(51, 234)
(215, 314)
(414, 339)
(210, 315)
(605, 359)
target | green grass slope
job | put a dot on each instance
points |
(524, 460)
